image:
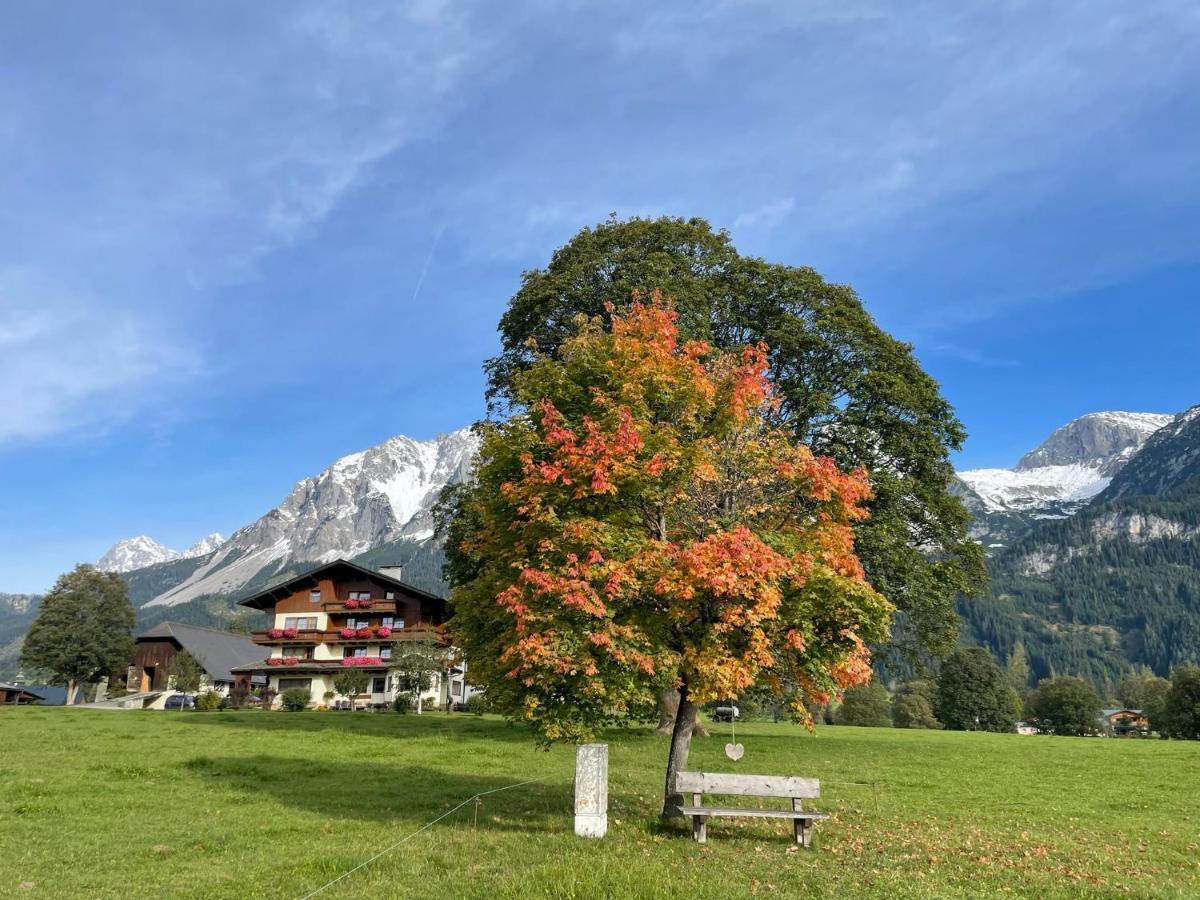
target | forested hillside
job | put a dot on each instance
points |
(1117, 585)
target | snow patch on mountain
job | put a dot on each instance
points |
(142, 551)
(1070, 467)
(363, 500)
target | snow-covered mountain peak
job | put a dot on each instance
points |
(1102, 441)
(1074, 464)
(135, 553)
(204, 546)
(361, 501)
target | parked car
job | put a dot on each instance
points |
(180, 701)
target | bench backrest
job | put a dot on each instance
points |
(746, 785)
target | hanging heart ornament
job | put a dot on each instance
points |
(734, 751)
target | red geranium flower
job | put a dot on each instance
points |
(364, 632)
(347, 632)
(292, 661)
(384, 631)
(276, 632)
(290, 632)
(275, 661)
(364, 604)
(351, 604)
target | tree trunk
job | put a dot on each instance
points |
(677, 759)
(70, 691)
(418, 704)
(668, 706)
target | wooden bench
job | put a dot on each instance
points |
(698, 784)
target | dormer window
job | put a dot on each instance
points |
(314, 595)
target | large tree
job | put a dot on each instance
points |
(1064, 705)
(642, 521)
(974, 695)
(846, 388)
(84, 629)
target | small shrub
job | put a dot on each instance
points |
(208, 701)
(402, 703)
(294, 699)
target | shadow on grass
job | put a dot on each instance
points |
(382, 792)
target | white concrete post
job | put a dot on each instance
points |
(591, 790)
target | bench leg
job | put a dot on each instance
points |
(700, 829)
(802, 829)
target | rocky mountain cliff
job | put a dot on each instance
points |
(1057, 478)
(141, 551)
(362, 501)
(1115, 584)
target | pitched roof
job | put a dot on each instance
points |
(218, 652)
(267, 598)
(53, 694)
(1107, 713)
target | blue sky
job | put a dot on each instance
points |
(240, 240)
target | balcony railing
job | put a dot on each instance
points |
(374, 606)
(417, 632)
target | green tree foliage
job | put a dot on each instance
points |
(912, 706)
(294, 699)
(1105, 607)
(1064, 705)
(184, 673)
(350, 683)
(1016, 670)
(84, 629)
(866, 705)
(415, 665)
(850, 391)
(973, 694)
(1181, 718)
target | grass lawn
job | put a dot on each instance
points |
(151, 804)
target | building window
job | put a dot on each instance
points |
(354, 651)
(391, 595)
(456, 689)
(286, 684)
(377, 686)
(302, 623)
(385, 652)
(297, 652)
(399, 623)
(315, 595)
(387, 621)
(360, 595)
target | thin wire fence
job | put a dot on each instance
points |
(474, 798)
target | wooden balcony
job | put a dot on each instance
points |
(418, 632)
(387, 607)
(303, 636)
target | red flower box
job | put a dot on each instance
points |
(275, 661)
(290, 632)
(276, 632)
(347, 632)
(384, 631)
(351, 604)
(363, 633)
(362, 661)
(291, 661)
(364, 604)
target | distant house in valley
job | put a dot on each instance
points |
(339, 615)
(17, 695)
(1124, 722)
(218, 653)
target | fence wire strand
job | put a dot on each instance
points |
(425, 827)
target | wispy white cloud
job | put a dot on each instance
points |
(70, 363)
(768, 216)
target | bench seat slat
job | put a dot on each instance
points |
(750, 811)
(746, 785)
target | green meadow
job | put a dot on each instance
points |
(270, 804)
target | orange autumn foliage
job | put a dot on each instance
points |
(643, 524)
